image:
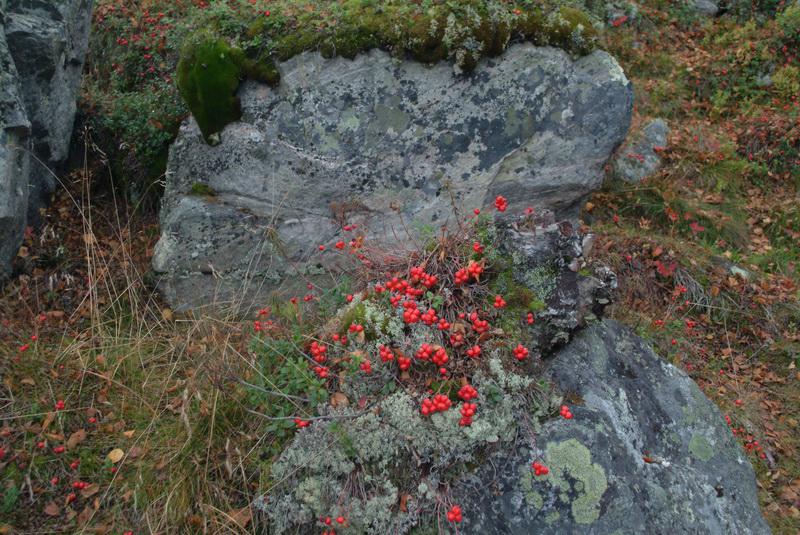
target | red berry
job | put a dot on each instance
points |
(340, 519)
(500, 203)
(520, 352)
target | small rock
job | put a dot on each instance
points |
(639, 157)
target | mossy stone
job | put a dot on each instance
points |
(209, 73)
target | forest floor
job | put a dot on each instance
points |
(154, 432)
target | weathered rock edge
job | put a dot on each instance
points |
(381, 143)
(42, 49)
(646, 451)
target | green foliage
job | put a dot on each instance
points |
(284, 387)
(787, 81)
(10, 496)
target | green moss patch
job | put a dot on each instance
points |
(212, 65)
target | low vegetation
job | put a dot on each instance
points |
(120, 416)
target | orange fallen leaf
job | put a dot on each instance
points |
(115, 455)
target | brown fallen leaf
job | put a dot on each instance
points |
(52, 509)
(130, 433)
(90, 491)
(338, 399)
(76, 438)
(48, 419)
(242, 517)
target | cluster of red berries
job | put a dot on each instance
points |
(530, 319)
(356, 328)
(322, 371)
(329, 521)
(474, 351)
(540, 469)
(750, 443)
(418, 275)
(478, 325)
(499, 302)
(500, 203)
(454, 514)
(439, 403)
(385, 353)
(318, 352)
(429, 317)
(463, 275)
(411, 313)
(365, 366)
(80, 485)
(467, 412)
(477, 247)
(403, 363)
(467, 392)
(60, 405)
(565, 412)
(520, 352)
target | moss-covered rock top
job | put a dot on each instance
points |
(247, 39)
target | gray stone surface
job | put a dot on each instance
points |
(381, 143)
(705, 7)
(634, 406)
(639, 158)
(14, 158)
(48, 41)
(42, 48)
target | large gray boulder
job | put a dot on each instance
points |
(14, 157)
(48, 42)
(646, 452)
(378, 142)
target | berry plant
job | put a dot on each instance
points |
(427, 343)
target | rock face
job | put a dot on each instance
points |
(646, 451)
(639, 158)
(705, 7)
(14, 158)
(379, 142)
(42, 52)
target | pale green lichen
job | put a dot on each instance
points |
(580, 482)
(531, 496)
(377, 448)
(541, 280)
(700, 448)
